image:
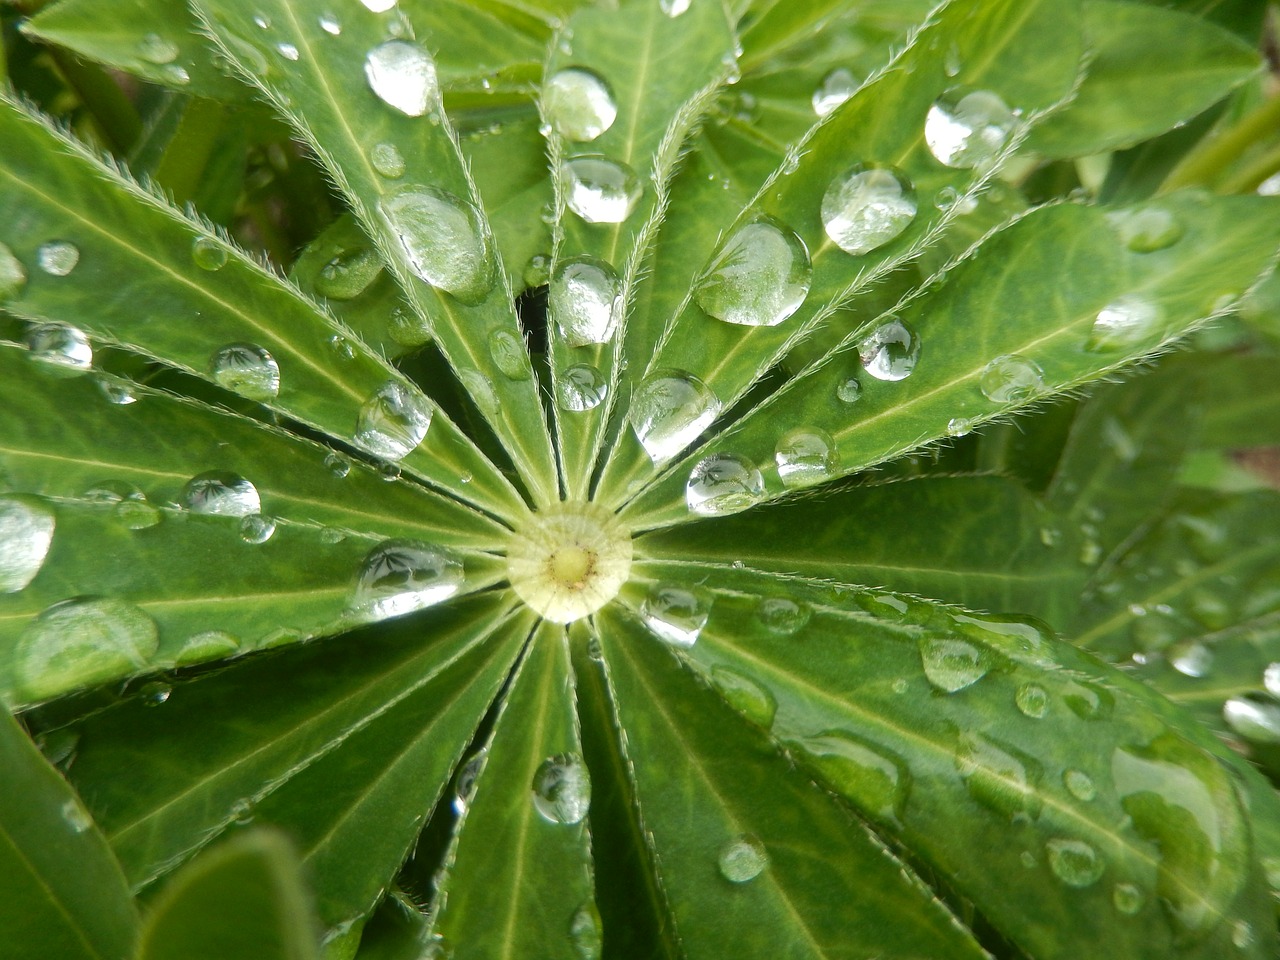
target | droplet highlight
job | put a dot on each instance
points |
(402, 75)
(600, 190)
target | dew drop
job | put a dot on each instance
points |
(836, 87)
(1011, 379)
(387, 160)
(674, 8)
(248, 370)
(584, 299)
(58, 257)
(61, 347)
(1032, 699)
(13, 275)
(1241, 934)
(1146, 229)
(330, 25)
(1191, 659)
(581, 387)
(537, 272)
(805, 457)
(1088, 701)
(562, 789)
(221, 494)
(82, 641)
(208, 254)
(207, 645)
(175, 74)
(959, 427)
(287, 50)
(1127, 898)
(509, 355)
(999, 776)
(135, 512)
(256, 529)
(156, 49)
(782, 616)
(579, 104)
(119, 392)
(378, 6)
(1123, 324)
(742, 859)
(952, 665)
(154, 694)
(1080, 785)
(600, 190)
(668, 412)
(337, 464)
(76, 816)
(866, 207)
(392, 422)
(585, 932)
(1271, 679)
(480, 389)
(408, 328)
(723, 483)
(465, 789)
(848, 390)
(676, 614)
(348, 273)
(402, 75)
(443, 239)
(758, 277)
(875, 780)
(1074, 862)
(890, 351)
(26, 531)
(966, 129)
(1252, 718)
(746, 696)
(401, 576)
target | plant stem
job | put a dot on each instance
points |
(1208, 160)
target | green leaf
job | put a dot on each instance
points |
(244, 899)
(1242, 402)
(1151, 70)
(739, 840)
(61, 891)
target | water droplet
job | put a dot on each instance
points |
(465, 789)
(746, 696)
(578, 104)
(76, 816)
(837, 87)
(393, 421)
(1080, 785)
(13, 275)
(248, 370)
(58, 257)
(378, 6)
(848, 390)
(1128, 898)
(600, 190)
(26, 531)
(676, 614)
(401, 576)
(1011, 379)
(537, 272)
(951, 63)
(1253, 718)
(758, 277)
(782, 616)
(443, 239)
(805, 457)
(873, 779)
(221, 494)
(743, 858)
(330, 25)
(402, 75)
(585, 301)
(723, 483)
(1191, 659)
(208, 254)
(256, 529)
(154, 694)
(999, 776)
(866, 207)
(287, 50)
(206, 646)
(1241, 934)
(959, 427)
(509, 355)
(175, 74)
(967, 129)
(562, 789)
(82, 641)
(581, 387)
(668, 412)
(387, 160)
(135, 512)
(119, 392)
(61, 346)
(952, 665)
(337, 464)
(1271, 679)
(1146, 229)
(1074, 862)
(1123, 324)
(156, 49)
(586, 933)
(1032, 699)
(480, 389)
(674, 8)
(348, 273)
(262, 22)
(890, 351)
(408, 328)
(1088, 701)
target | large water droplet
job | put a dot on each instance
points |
(58, 257)
(1146, 229)
(1032, 700)
(387, 160)
(1191, 658)
(443, 239)
(890, 351)
(82, 641)
(348, 273)
(509, 355)
(61, 346)
(584, 299)
(581, 387)
(401, 576)
(1011, 379)
(668, 412)
(676, 614)
(999, 776)
(378, 6)
(248, 370)
(866, 207)
(13, 275)
(208, 254)
(805, 457)
(836, 87)
(562, 789)
(1253, 718)
(1074, 862)
(578, 104)
(402, 75)
(26, 531)
(393, 421)
(952, 665)
(221, 494)
(875, 780)
(746, 696)
(723, 483)
(743, 858)
(758, 277)
(1123, 324)
(600, 190)
(968, 128)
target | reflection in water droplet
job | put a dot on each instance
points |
(1128, 898)
(1080, 785)
(218, 493)
(402, 75)
(119, 392)
(805, 457)
(866, 207)
(952, 665)
(562, 789)
(890, 351)
(586, 933)
(509, 355)
(348, 273)
(156, 49)
(584, 299)
(465, 789)
(401, 576)
(248, 370)
(135, 512)
(723, 483)
(999, 776)
(874, 780)
(782, 616)
(742, 859)
(1253, 718)
(599, 190)
(82, 641)
(443, 239)
(13, 275)
(848, 390)
(676, 614)
(578, 104)
(26, 531)
(581, 387)
(758, 277)
(387, 160)
(1074, 862)
(256, 529)
(1032, 700)
(746, 696)
(1011, 379)
(58, 257)
(208, 254)
(668, 412)
(393, 421)
(1123, 324)
(1146, 229)
(63, 347)
(837, 87)
(968, 128)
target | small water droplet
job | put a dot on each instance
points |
(674, 8)
(1032, 699)
(1271, 679)
(175, 74)
(742, 859)
(402, 75)
(1127, 898)
(1191, 659)
(82, 641)
(890, 351)
(480, 389)
(156, 49)
(13, 275)
(154, 694)
(1253, 718)
(586, 933)
(256, 529)
(1088, 701)
(600, 190)
(537, 272)
(723, 483)
(999, 776)
(1124, 323)
(465, 789)
(136, 512)
(951, 62)
(952, 665)
(207, 645)
(1080, 785)
(848, 390)
(393, 421)
(330, 25)
(387, 160)
(1011, 379)
(782, 615)
(758, 277)
(676, 614)
(1146, 229)
(388, 471)
(208, 254)
(875, 780)
(62, 347)
(348, 273)
(836, 87)
(866, 207)
(287, 50)
(248, 370)
(585, 301)
(378, 6)
(58, 257)
(337, 464)
(581, 387)
(76, 816)
(746, 696)
(262, 22)
(805, 457)
(218, 493)
(959, 427)
(509, 355)
(562, 789)
(579, 104)
(1074, 862)
(119, 392)
(669, 410)
(966, 129)
(26, 531)
(401, 576)
(443, 239)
